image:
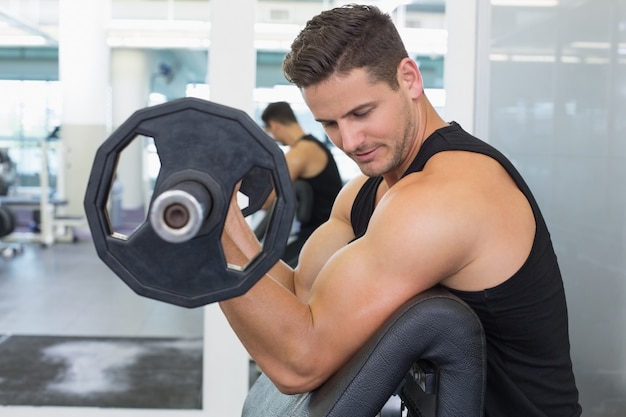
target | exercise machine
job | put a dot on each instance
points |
(50, 226)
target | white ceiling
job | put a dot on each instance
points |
(186, 23)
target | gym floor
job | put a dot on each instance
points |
(74, 333)
(66, 290)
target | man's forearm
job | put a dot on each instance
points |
(275, 329)
(241, 246)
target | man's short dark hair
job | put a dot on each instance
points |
(280, 112)
(344, 38)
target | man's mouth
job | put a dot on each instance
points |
(362, 157)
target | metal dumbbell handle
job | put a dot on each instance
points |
(178, 213)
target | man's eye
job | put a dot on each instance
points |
(361, 114)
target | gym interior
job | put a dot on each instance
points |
(543, 80)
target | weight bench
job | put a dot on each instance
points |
(428, 359)
(49, 227)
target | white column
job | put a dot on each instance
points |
(460, 62)
(232, 57)
(84, 76)
(130, 82)
(232, 77)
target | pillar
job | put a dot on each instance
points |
(84, 76)
(231, 78)
(460, 62)
(130, 85)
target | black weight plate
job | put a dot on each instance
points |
(220, 143)
(257, 185)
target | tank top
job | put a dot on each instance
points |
(325, 186)
(529, 368)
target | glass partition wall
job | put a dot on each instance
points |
(556, 92)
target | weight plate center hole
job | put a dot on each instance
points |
(176, 216)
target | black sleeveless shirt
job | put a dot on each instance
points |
(325, 186)
(529, 369)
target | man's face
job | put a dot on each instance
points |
(369, 121)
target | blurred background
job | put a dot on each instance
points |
(542, 80)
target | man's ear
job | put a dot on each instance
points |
(409, 74)
(271, 125)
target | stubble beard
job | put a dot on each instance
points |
(398, 149)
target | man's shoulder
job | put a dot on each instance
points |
(352, 187)
(349, 191)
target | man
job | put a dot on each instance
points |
(308, 161)
(436, 206)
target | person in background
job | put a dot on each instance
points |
(435, 206)
(311, 165)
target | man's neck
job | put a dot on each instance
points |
(294, 134)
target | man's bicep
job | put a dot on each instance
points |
(325, 241)
(352, 297)
(369, 279)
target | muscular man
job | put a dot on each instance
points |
(435, 206)
(309, 161)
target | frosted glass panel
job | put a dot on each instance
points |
(557, 98)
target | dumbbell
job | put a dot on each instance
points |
(206, 150)
(7, 221)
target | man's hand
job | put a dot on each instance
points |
(239, 242)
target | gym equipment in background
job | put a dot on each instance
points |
(7, 226)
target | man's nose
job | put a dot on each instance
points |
(350, 137)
